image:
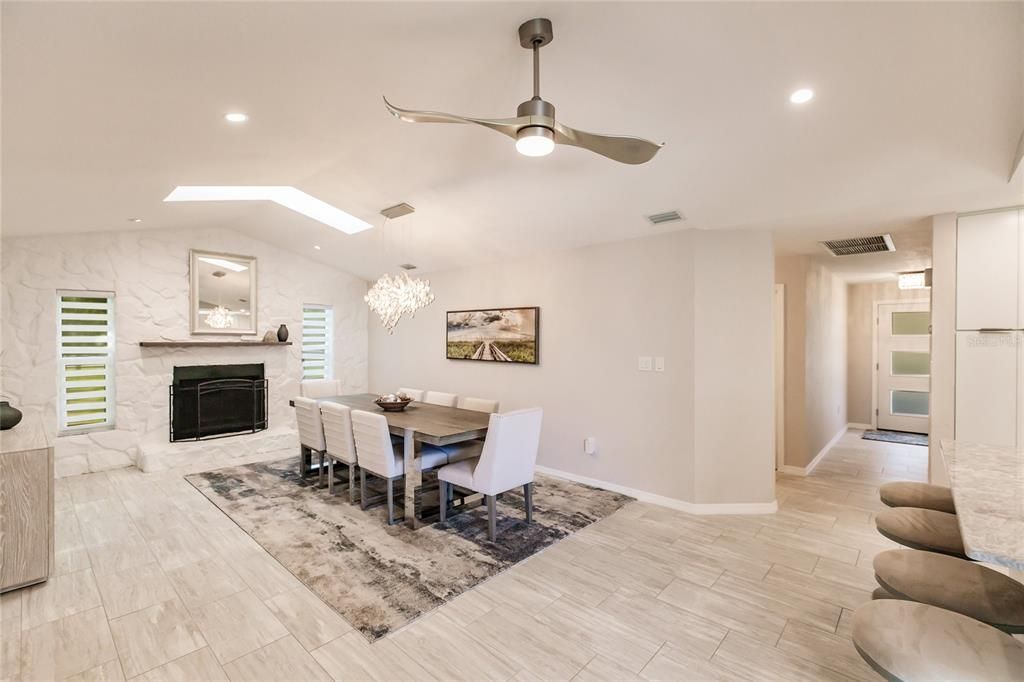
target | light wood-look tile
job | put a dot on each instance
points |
(134, 589)
(110, 671)
(68, 646)
(565, 577)
(629, 570)
(658, 620)
(261, 572)
(59, 596)
(310, 621)
(440, 645)
(238, 624)
(818, 586)
(203, 582)
(757, 549)
(791, 603)
(601, 669)
(351, 657)
(121, 555)
(835, 652)
(672, 665)
(201, 664)
(180, 546)
(728, 610)
(284, 659)
(10, 636)
(467, 607)
(155, 635)
(89, 487)
(521, 590)
(745, 658)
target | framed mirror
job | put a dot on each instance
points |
(222, 292)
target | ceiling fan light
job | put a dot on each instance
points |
(535, 141)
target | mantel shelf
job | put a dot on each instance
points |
(188, 343)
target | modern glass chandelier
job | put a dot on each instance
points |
(393, 296)
(220, 318)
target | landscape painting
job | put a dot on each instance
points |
(498, 335)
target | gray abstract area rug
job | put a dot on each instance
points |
(903, 437)
(380, 577)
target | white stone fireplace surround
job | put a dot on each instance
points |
(148, 272)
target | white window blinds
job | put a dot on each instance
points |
(85, 351)
(317, 342)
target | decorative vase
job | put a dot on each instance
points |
(270, 337)
(9, 416)
(282, 333)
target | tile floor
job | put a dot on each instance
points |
(155, 583)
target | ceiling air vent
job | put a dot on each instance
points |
(397, 211)
(860, 245)
(667, 217)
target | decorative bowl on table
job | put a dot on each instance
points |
(392, 402)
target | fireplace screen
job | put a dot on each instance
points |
(214, 401)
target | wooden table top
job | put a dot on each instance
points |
(433, 424)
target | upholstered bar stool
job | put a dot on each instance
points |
(907, 641)
(953, 584)
(927, 529)
(920, 495)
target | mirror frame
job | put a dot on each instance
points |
(193, 290)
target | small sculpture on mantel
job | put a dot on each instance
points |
(270, 336)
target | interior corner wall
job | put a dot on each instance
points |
(860, 339)
(943, 350)
(734, 386)
(816, 357)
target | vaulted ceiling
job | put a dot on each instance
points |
(108, 106)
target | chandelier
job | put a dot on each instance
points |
(220, 318)
(391, 297)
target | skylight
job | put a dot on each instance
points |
(289, 197)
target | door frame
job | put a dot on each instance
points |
(779, 312)
(874, 349)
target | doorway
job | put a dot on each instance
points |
(780, 375)
(902, 366)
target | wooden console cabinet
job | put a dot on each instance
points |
(26, 504)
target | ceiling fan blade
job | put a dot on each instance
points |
(621, 148)
(505, 126)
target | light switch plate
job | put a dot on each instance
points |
(659, 364)
(645, 363)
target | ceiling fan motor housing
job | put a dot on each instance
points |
(537, 107)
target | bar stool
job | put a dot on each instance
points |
(953, 584)
(907, 641)
(920, 495)
(927, 529)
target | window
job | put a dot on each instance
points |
(317, 342)
(85, 351)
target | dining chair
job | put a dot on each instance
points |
(414, 393)
(507, 460)
(340, 444)
(380, 457)
(442, 399)
(311, 433)
(320, 388)
(479, 405)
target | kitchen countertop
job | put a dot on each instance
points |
(988, 490)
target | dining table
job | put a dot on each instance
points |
(419, 423)
(988, 490)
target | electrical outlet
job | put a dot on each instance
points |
(590, 445)
(659, 364)
(645, 363)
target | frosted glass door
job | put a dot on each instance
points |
(903, 367)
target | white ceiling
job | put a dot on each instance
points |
(108, 106)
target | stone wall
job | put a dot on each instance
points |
(148, 272)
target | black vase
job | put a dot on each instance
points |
(282, 333)
(9, 416)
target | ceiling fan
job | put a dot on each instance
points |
(535, 129)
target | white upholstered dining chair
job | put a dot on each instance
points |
(384, 459)
(340, 444)
(507, 460)
(479, 405)
(414, 393)
(311, 433)
(442, 399)
(320, 388)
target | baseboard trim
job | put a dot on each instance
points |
(865, 427)
(670, 502)
(806, 471)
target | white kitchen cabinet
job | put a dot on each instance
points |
(987, 384)
(988, 263)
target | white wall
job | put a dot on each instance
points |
(148, 271)
(943, 351)
(602, 307)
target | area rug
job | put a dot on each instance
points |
(380, 577)
(897, 437)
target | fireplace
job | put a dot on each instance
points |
(214, 401)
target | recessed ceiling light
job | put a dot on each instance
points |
(135, 220)
(802, 96)
(236, 117)
(289, 197)
(316, 247)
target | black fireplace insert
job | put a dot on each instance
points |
(214, 401)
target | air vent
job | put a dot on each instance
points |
(667, 217)
(397, 211)
(860, 245)
(407, 266)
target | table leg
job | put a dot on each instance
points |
(413, 480)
